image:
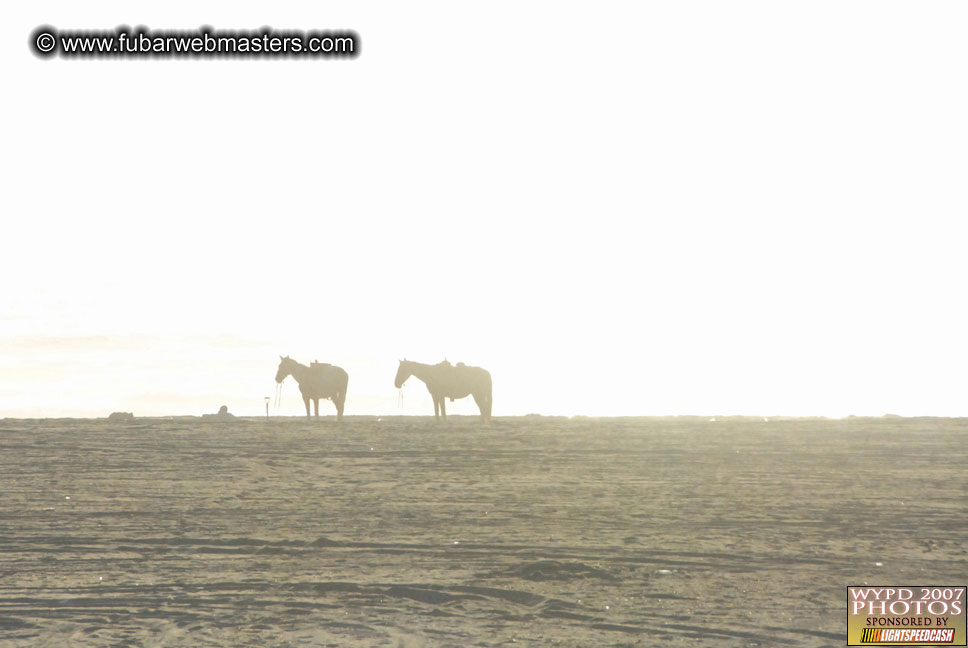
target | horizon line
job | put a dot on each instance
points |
(707, 417)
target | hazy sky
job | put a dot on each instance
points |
(617, 208)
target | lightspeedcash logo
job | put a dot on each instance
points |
(906, 616)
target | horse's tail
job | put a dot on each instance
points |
(488, 397)
(344, 381)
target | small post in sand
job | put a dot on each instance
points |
(267, 406)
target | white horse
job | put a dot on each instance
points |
(319, 380)
(444, 381)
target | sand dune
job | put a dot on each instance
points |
(401, 532)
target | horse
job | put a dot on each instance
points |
(445, 380)
(319, 380)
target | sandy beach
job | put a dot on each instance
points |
(531, 531)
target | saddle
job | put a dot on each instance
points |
(460, 365)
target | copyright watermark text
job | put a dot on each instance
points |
(123, 42)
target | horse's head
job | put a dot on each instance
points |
(285, 368)
(403, 372)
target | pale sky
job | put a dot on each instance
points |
(616, 208)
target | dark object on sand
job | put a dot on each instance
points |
(121, 416)
(223, 412)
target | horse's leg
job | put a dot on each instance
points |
(316, 406)
(443, 407)
(341, 404)
(436, 406)
(484, 401)
(481, 401)
(306, 400)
